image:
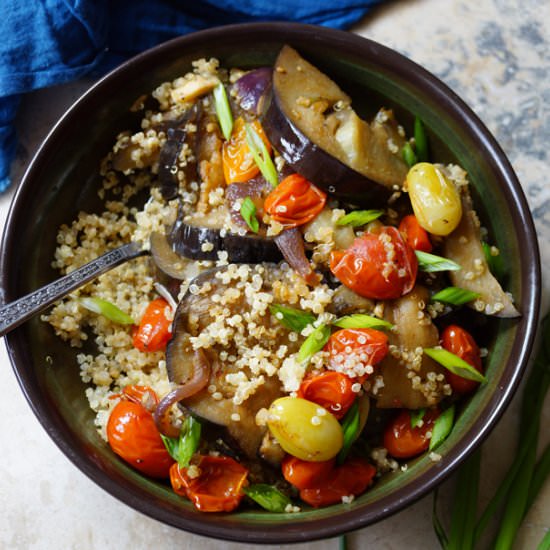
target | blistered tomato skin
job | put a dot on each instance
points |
(403, 441)
(303, 474)
(415, 235)
(133, 435)
(217, 488)
(154, 330)
(460, 342)
(434, 198)
(304, 429)
(295, 201)
(380, 265)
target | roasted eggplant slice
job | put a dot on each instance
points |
(407, 377)
(309, 120)
(464, 247)
(250, 89)
(195, 313)
(204, 242)
(169, 158)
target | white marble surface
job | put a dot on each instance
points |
(496, 55)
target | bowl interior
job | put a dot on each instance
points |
(62, 181)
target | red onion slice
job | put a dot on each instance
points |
(251, 87)
(199, 380)
(291, 245)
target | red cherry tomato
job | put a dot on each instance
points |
(133, 435)
(303, 474)
(295, 201)
(415, 235)
(460, 342)
(218, 486)
(403, 441)
(381, 265)
(357, 345)
(352, 478)
(154, 330)
(330, 389)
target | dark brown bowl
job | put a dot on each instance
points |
(61, 181)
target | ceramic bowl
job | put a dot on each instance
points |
(62, 179)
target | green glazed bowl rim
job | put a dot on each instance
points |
(334, 521)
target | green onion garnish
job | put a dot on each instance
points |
(350, 429)
(261, 155)
(455, 296)
(442, 427)
(357, 218)
(223, 110)
(409, 155)
(267, 497)
(314, 342)
(248, 214)
(417, 416)
(293, 319)
(185, 446)
(107, 309)
(454, 364)
(361, 320)
(420, 141)
(431, 263)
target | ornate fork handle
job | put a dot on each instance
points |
(19, 311)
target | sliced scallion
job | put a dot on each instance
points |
(420, 141)
(362, 320)
(494, 261)
(455, 296)
(248, 214)
(267, 497)
(442, 427)
(293, 319)
(181, 449)
(107, 309)
(417, 416)
(223, 110)
(314, 342)
(431, 263)
(357, 218)
(350, 429)
(454, 364)
(409, 156)
(261, 155)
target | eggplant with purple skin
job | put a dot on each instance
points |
(169, 156)
(193, 316)
(250, 89)
(309, 120)
(203, 242)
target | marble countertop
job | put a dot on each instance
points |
(495, 54)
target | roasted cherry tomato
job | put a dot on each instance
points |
(460, 342)
(380, 265)
(416, 236)
(217, 488)
(403, 441)
(330, 389)
(350, 346)
(304, 474)
(133, 435)
(295, 201)
(238, 162)
(352, 478)
(154, 330)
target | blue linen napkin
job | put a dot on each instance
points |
(46, 42)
